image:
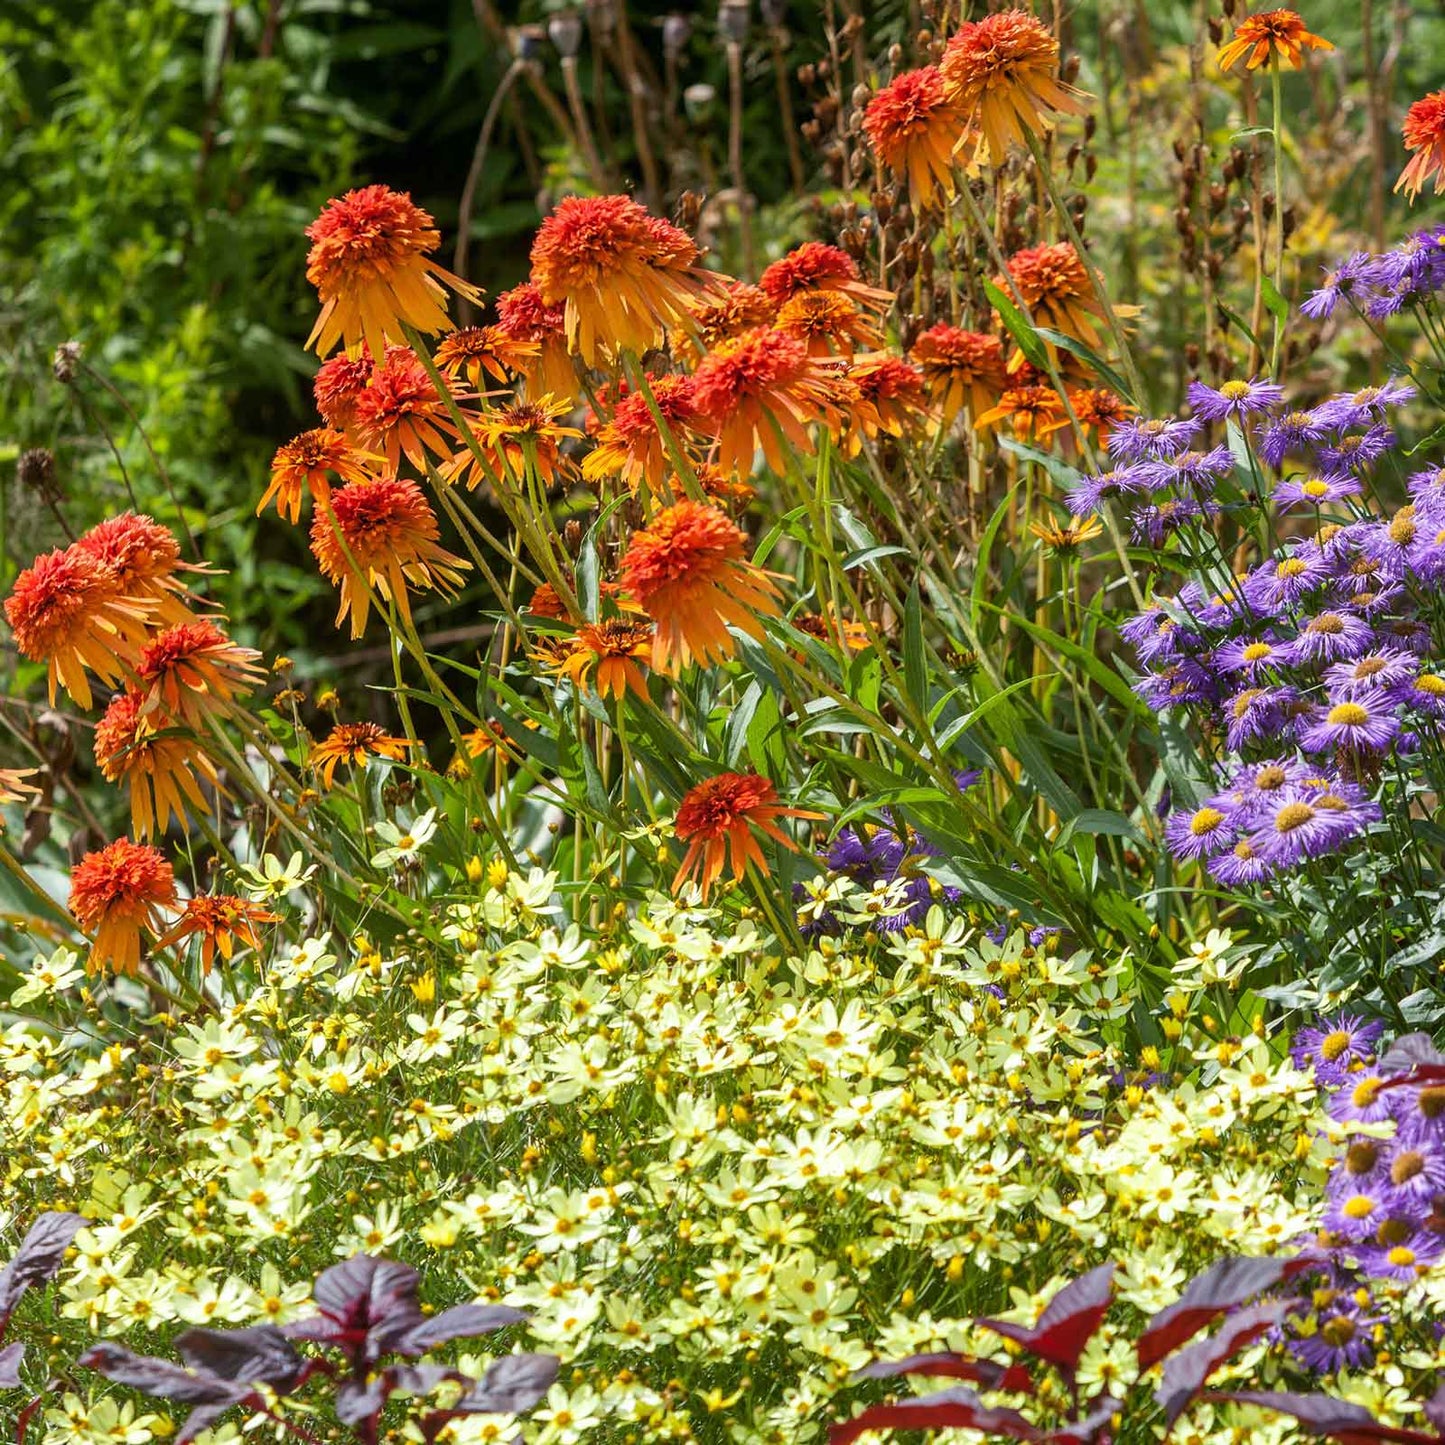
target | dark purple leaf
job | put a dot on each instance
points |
(161, 1377)
(461, 1322)
(259, 1353)
(1186, 1372)
(366, 1306)
(10, 1358)
(1096, 1426)
(512, 1384)
(22, 1423)
(1222, 1287)
(39, 1257)
(202, 1418)
(959, 1409)
(1068, 1323)
(1321, 1415)
(1408, 1051)
(1435, 1410)
(360, 1402)
(947, 1365)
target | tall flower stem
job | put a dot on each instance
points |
(1274, 118)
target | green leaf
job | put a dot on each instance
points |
(1252, 130)
(864, 556)
(1102, 822)
(1277, 305)
(1091, 359)
(961, 725)
(1239, 323)
(915, 670)
(1018, 327)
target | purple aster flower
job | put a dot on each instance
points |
(1419, 1114)
(1402, 1251)
(1342, 1338)
(965, 778)
(1359, 723)
(1199, 834)
(1147, 439)
(1358, 408)
(1331, 637)
(1213, 610)
(1404, 632)
(1315, 491)
(1252, 655)
(1240, 866)
(889, 855)
(1289, 435)
(1155, 635)
(1153, 525)
(1360, 1099)
(1090, 493)
(1357, 449)
(1385, 667)
(1340, 282)
(1233, 398)
(1283, 581)
(1415, 1174)
(1427, 484)
(1425, 693)
(1178, 683)
(1354, 1214)
(1330, 1046)
(1190, 471)
(1369, 604)
(1252, 787)
(1303, 823)
(1258, 713)
(1361, 1167)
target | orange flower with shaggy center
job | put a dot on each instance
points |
(622, 276)
(523, 317)
(913, 128)
(1424, 135)
(1270, 36)
(962, 369)
(306, 464)
(1099, 412)
(816, 266)
(66, 610)
(614, 651)
(735, 309)
(1055, 286)
(631, 445)
(193, 671)
(521, 435)
(476, 352)
(891, 395)
(716, 818)
(381, 533)
(762, 390)
(116, 893)
(689, 570)
(222, 922)
(1033, 412)
(400, 411)
(828, 323)
(144, 558)
(1002, 72)
(338, 384)
(158, 766)
(368, 263)
(353, 744)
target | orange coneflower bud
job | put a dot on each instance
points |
(546, 603)
(913, 127)
(400, 411)
(475, 744)
(353, 744)
(391, 534)
(761, 390)
(623, 277)
(1002, 74)
(962, 369)
(368, 263)
(690, 573)
(1034, 412)
(478, 351)
(144, 557)
(1099, 412)
(523, 317)
(114, 894)
(1055, 286)
(816, 266)
(220, 921)
(66, 610)
(155, 763)
(1424, 134)
(338, 383)
(632, 446)
(1271, 34)
(828, 323)
(525, 432)
(728, 313)
(192, 671)
(305, 464)
(715, 820)
(891, 394)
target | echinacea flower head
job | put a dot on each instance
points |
(733, 310)
(1032, 412)
(401, 412)
(715, 819)
(1055, 286)
(66, 610)
(476, 353)
(514, 438)
(1277, 36)
(222, 922)
(631, 445)
(193, 671)
(892, 395)
(353, 744)
(368, 263)
(144, 557)
(1424, 135)
(623, 277)
(913, 127)
(828, 323)
(1002, 72)
(1330, 1046)
(305, 465)
(1237, 398)
(115, 893)
(689, 571)
(158, 764)
(817, 266)
(381, 532)
(523, 317)
(612, 652)
(1099, 412)
(962, 369)
(339, 381)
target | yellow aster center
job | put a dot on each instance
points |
(1406, 1166)
(1257, 651)
(1338, 1331)
(1365, 1093)
(1428, 682)
(1361, 1156)
(1290, 567)
(1234, 390)
(1401, 1257)
(1315, 487)
(1206, 820)
(1358, 1206)
(1334, 1044)
(1292, 816)
(1329, 623)
(1269, 778)
(1347, 715)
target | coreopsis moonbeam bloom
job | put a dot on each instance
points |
(404, 845)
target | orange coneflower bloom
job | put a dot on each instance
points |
(1055, 286)
(615, 649)
(715, 820)
(1099, 412)
(546, 603)
(1002, 74)
(480, 741)
(623, 277)
(305, 464)
(723, 487)
(155, 763)
(913, 127)
(475, 352)
(827, 323)
(400, 411)
(853, 635)
(761, 390)
(115, 893)
(962, 369)
(338, 384)
(631, 445)
(13, 785)
(1424, 134)
(1065, 539)
(353, 744)
(523, 317)
(525, 432)
(892, 394)
(734, 309)
(193, 671)
(220, 921)
(690, 573)
(368, 263)
(391, 534)
(66, 610)
(816, 266)
(1271, 34)
(144, 557)
(1034, 412)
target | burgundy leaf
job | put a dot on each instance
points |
(1186, 1372)
(1435, 1410)
(947, 1365)
(1334, 1419)
(22, 1422)
(958, 1409)
(1222, 1287)
(362, 1401)
(10, 1358)
(366, 1305)
(1408, 1051)
(1096, 1426)
(161, 1377)
(39, 1257)
(512, 1384)
(1069, 1321)
(458, 1323)
(202, 1418)
(259, 1353)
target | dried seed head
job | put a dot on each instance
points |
(732, 21)
(35, 471)
(67, 361)
(565, 31)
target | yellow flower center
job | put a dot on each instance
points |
(1365, 1093)
(1334, 1044)
(1358, 1206)
(1429, 683)
(1257, 651)
(1407, 1166)
(1206, 820)
(1290, 567)
(1292, 816)
(1347, 715)
(1339, 1330)
(1234, 390)
(1315, 487)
